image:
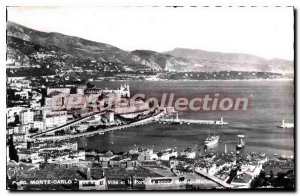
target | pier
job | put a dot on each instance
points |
(192, 121)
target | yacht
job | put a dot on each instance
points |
(212, 140)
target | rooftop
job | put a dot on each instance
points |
(242, 178)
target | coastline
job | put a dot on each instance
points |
(233, 80)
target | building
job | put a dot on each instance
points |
(14, 79)
(24, 128)
(38, 125)
(12, 112)
(206, 167)
(25, 154)
(20, 84)
(252, 168)
(147, 155)
(54, 118)
(242, 181)
(22, 94)
(189, 153)
(58, 89)
(82, 97)
(54, 178)
(166, 154)
(110, 116)
(26, 116)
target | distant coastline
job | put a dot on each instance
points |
(217, 80)
(237, 80)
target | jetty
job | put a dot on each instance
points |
(178, 120)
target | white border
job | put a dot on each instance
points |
(212, 3)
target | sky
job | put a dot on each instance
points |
(265, 32)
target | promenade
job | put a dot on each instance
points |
(102, 131)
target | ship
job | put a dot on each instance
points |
(176, 120)
(241, 143)
(286, 125)
(212, 140)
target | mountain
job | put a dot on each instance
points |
(75, 46)
(161, 61)
(218, 61)
(86, 49)
(72, 53)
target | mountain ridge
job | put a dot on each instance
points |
(176, 60)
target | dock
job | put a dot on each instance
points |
(192, 121)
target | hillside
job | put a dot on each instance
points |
(85, 49)
(217, 61)
(67, 54)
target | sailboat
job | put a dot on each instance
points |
(212, 140)
(241, 143)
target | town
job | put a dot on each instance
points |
(41, 155)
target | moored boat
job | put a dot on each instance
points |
(241, 143)
(212, 140)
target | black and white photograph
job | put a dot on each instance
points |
(150, 98)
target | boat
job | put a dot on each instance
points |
(262, 154)
(241, 143)
(286, 125)
(212, 140)
(176, 120)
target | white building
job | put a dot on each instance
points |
(12, 112)
(253, 169)
(26, 116)
(55, 121)
(22, 94)
(110, 116)
(147, 155)
(54, 118)
(20, 84)
(24, 129)
(38, 125)
(26, 154)
(189, 153)
(61, 90)
(167, 154)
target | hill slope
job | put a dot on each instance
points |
(85, 49)
(177, 60)
(217, 61)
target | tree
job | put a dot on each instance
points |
(17, 119)
(89, 85)
(33, 130)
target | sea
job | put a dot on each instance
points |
(269, 101)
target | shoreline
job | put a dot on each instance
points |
(233, 80)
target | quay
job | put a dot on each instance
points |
(192, 121)
(102, 131)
